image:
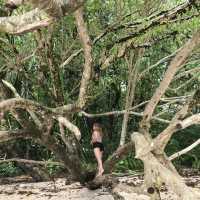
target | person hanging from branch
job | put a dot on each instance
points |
(98, 147)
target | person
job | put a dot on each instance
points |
(98, 147)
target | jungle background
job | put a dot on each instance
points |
(46, 66)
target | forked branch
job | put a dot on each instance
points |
(174, 66)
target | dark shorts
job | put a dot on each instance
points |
(98, 145)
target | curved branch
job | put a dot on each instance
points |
(14, 91)
(14, 103)
(118, 155)
(64, 122)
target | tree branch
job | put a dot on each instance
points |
(161, 61)
(15, 93)
(32, 162)
(184, 151)
(45, 13)
(64, 122)
(122, 112)
(54, 8)
(194, 119)
(160, 142)
(174, 66)
(14, 103)
(87, 71)
(118, 155)
(13, 135)
(27, 22)
(159, 19)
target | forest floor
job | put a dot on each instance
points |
(59, 191)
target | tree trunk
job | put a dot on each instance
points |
(159, 173)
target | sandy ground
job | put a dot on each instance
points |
(49, 190)
(60, 191)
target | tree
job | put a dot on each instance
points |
(39, 122)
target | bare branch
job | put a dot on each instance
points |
(195, 76)
(32, 162)
(54, 8)
(182, 74)
(160, 142)
(68, 60)
(184, 151)
(14, 91)
(11, 87)
(174, 66)
(14, 103)
(119, 154)
(132, 80)
(122, 112)
(45, 13)
(64, 122)
(29, 21)
(194, 119)
(87, 71)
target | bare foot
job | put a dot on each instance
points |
(100, 172)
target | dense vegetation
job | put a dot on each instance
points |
(133, 43)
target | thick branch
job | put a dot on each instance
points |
(27, 22)
(118, 155)
(160, 142)
(87, 71)
(64, 122)
(174, 66)
(54, 8)
(15, 93)
(194, 119)
(44, 14)
(14, 103)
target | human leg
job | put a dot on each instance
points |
(98, 155)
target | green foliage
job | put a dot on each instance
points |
(53, 169)
(9, 169)
(129, 163)
(24, 62)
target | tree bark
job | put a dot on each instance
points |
(157, 173)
